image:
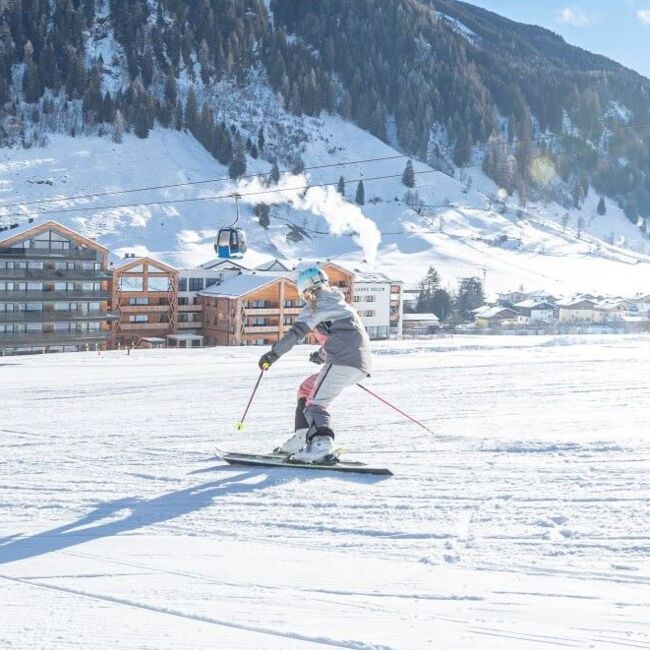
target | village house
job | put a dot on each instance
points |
(496, 317)
(580, 310)
(535, 311)
(420, 324)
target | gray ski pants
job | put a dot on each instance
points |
(331, 381)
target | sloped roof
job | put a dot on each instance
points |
(240, 285)
(532, 304)
(420, 317)
(273, 265)
(134, 261)
(218, 263)
(569, 303)
(495, 311)
(27, 227)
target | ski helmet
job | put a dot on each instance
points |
(309, 279)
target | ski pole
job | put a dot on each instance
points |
(240, 424)
(406, 415)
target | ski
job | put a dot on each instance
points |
(278, 460)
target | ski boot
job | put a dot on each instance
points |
(294, 444)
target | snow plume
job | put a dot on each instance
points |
(343, 218)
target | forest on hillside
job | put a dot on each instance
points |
(442, 80)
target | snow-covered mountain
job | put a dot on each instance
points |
(463, 237)
(191, 100)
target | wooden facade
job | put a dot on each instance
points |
(145, 299)
(261, 316)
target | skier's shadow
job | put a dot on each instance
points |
(132, 513)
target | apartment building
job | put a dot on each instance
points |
(54, 290)
(258, 307)
(378, 300)
(190, 284)
(145, 300)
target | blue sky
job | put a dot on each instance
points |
(619, 29)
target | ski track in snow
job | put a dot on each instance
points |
(521, 523)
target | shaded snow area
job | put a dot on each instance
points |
(454, 231)
(521, 523)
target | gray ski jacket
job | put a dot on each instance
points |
(347, 341)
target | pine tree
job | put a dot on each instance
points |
(470, 296)
(262, 212)
(118, 127)
(408, 175)
(602, 208)
(191, 112)
(141, 123)
(340, 188)
(261, 141)
(237, 167)
(274, 174)
(360, 196)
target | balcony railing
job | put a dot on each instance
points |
(49, 316)
(127, 327)
(190, 308)
(262, 311)
(143, 309)
(51, 338)
(261, 329)
(189, 325)
(53, 275)
(52, 296)
(36, 253)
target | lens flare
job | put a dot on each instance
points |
(542, 170)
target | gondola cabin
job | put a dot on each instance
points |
(231, 243)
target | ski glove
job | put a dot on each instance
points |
(316, 358)
(267, 360)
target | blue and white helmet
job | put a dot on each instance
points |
(309, 279)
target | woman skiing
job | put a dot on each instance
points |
(346, 356)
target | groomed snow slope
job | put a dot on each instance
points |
(455, 238)
(521, 523)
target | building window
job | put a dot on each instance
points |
(158, 284)
(368, 313)
(356, 299)
(138, 301)
(196, 284)
(371, 298)
(182, 284)
(183, 300)
(131, 283)
(139, 318)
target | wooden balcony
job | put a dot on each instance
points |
(143, 309)
(190, 325)
(259, 311)
(138, 327)
(262, 329)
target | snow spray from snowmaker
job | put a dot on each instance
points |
(342, 218)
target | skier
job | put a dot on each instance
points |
(346, 355)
